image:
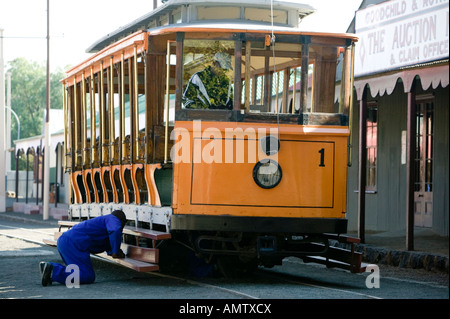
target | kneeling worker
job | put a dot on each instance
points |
(92, 236)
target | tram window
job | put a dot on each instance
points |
(208, 74)
(176, 16)
(275, 81)
(218, 13)
(264, 15)
(272, 75)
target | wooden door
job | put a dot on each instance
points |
(423, 195)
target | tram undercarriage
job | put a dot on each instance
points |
(234, 254)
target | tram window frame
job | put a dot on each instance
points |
(320, 97)
(208, 50)
(271, 67)
(322, 54)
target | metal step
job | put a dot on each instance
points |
(332, 263)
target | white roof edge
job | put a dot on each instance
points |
(306, 9)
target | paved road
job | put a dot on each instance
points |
(288, 284)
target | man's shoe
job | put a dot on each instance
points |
(41, 267)
(46, 273)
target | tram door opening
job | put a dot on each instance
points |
(423, 194)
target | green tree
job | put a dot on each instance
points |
(28, 96)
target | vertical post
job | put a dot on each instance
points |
(179, 71)
(304, 78)
(285, 106)
(350, 110)
(410, 166)
(93, 119)
(17, 175)
(76, 128)
(66, 127)
(166, 115)
(84, 154)
(56, 177)
(248, 49)
(112, 131)
(293, 90)
(2, 132)
(102, 131)
(135, 112)
(8, 123)
(362, 166)
(43, 174)
(267, 83)
(46, 184)
(28, 168)
(237, 75)
(122, 144)
(37, 162)
(148, 110)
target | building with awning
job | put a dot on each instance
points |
(399, 178)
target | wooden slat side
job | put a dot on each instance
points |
(50, 242)
(149, 255)
(56, 235)
(131, 263)
(66, 223)
(147, 233)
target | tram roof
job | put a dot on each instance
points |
(240, 28)
(186, 10)
(111, 53)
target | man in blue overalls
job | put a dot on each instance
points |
(92, 236)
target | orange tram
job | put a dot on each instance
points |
(239, 167)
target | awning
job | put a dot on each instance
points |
(381, 84)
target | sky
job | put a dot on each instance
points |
(75, 25)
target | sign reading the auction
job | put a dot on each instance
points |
(399, 33)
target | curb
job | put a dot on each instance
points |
(400, 258)
(50, 222)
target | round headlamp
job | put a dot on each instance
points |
(267, 173)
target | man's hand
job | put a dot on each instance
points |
(120, 254)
